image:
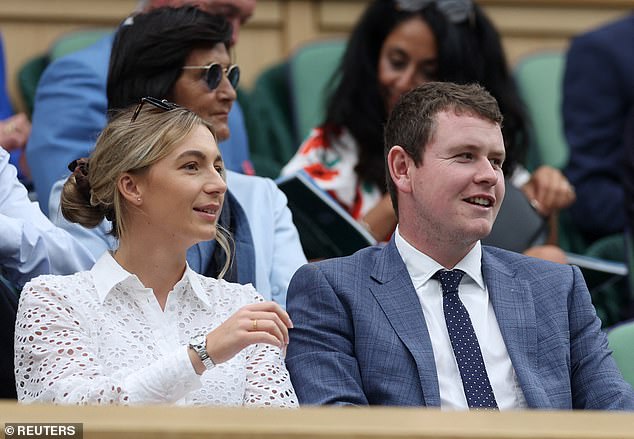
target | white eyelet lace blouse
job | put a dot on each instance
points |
(100, 337)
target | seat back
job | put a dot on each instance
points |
(31, 71)
(77, 40)
(311, 70)
(539, 80)
(28, 78)
(268, 121)
(621, 341)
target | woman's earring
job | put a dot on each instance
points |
(138, 199)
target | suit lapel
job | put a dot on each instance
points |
(398, 300)
(515, 312)
(241, 231)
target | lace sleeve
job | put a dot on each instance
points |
(268, 381)
(55, 358)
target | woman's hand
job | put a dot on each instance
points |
(263, 322)
(14, 132)
(549, 190)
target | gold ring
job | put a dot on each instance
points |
(255, 325)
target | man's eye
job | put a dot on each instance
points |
(466, 155)
(497, 162)
(191, 166)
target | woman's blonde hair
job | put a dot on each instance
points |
(91, 194)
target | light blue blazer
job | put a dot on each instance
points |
(360, 335)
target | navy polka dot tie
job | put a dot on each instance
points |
(475, 380)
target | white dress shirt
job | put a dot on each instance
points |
(100, 337)
(475, 296)
(30, 244)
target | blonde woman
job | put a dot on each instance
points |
(141, 327)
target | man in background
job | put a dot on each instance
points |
(70, 103)
(598, 97)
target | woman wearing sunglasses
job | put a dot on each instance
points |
(141, 327)
(182, 55)
(396, 46)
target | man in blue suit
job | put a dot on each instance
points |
(598, 97)
(387, 325)
(70, 104)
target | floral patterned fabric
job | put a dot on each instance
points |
(330, 161)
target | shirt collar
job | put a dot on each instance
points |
(194, 280)
(421, 267)
(107, 273)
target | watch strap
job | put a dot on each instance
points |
(206, 359)
(199, 344)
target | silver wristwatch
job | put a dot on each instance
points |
(199, 344)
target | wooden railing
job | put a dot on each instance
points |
(331, 423)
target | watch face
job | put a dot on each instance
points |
(198, 340)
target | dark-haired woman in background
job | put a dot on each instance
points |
(397, 45)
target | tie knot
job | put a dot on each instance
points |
(449, 280)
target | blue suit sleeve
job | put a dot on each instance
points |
(320, 356)
(69, 112)
(593, 113)
(597, 383)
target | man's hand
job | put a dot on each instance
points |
(14, 132)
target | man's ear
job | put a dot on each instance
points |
(129, 188)
(399, 163)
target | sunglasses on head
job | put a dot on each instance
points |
(457, 11)
(163, 104)
(215, 72)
